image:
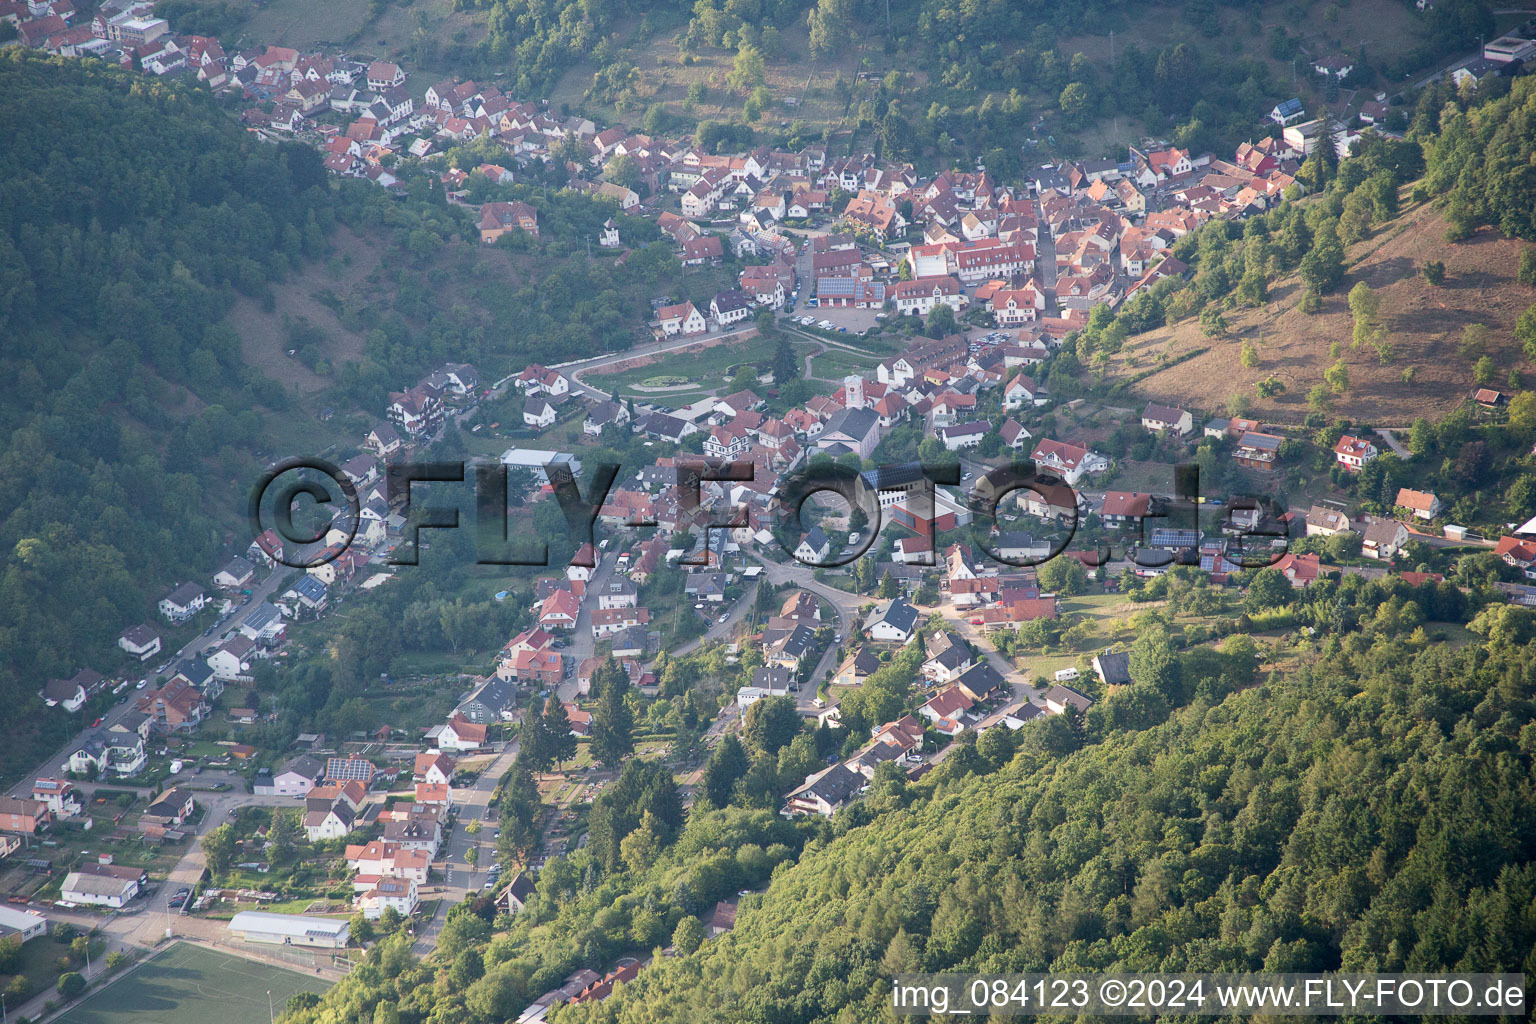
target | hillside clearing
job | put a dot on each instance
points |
(1423, 323)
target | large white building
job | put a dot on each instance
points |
(290, 929)
(28, 924)
(535, 459)
(98, 890)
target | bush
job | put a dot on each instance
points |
(71, 985)
(1434, 272)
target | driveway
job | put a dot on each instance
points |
(1397, 446)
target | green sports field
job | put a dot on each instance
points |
(191, 985)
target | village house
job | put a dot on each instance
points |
(918, 296)
(1423, 504)
(1325, 522)
(23, 817)
(496, 219)
(1258, 451)
(140, 641)
(681, 318)
(1069, 461)
(895, 621)
(1157, 418)
(184, 601)
(1354, 452)
(1383, 539)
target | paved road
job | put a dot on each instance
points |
(459, 876)
(1392, 442)
(719, 630)
(845, 608)
(1045, 268)
(53, 765)
(583, 644)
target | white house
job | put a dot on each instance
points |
(1157, 418)
(919, 295)
(730, 306)
(963, 435)
(398, 894)
(894, 621)
(538, 413)
(814, 547)
(140, 641)
(184, 601)
(233, 659)
(98, 890)
(331, 822)
(1069, 461)
(682, 318)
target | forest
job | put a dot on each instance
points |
(1368, 808)
(135, 424)
(968, 77)
(131, 412)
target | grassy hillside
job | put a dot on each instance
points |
(1424, 322)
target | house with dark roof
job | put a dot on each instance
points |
(857, 667)
(813, 547)
(1058, 698)
(857, 429)
(517, 893)
(1113, 667)
(825, 792)
(492, 701)
(1157, 418)
(894, 621)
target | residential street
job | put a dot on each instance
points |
(845, 607)
(53, 766)
(459, 876)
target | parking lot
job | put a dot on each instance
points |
(854, 320)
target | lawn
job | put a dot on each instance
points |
(191, 985)
(836, 363)
(706, 369)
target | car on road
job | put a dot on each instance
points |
(825, 325)
(179, 897)
(141, 684)
(96, 723)
(724, 618)
(496, 834)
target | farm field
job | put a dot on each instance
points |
(191, 985)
